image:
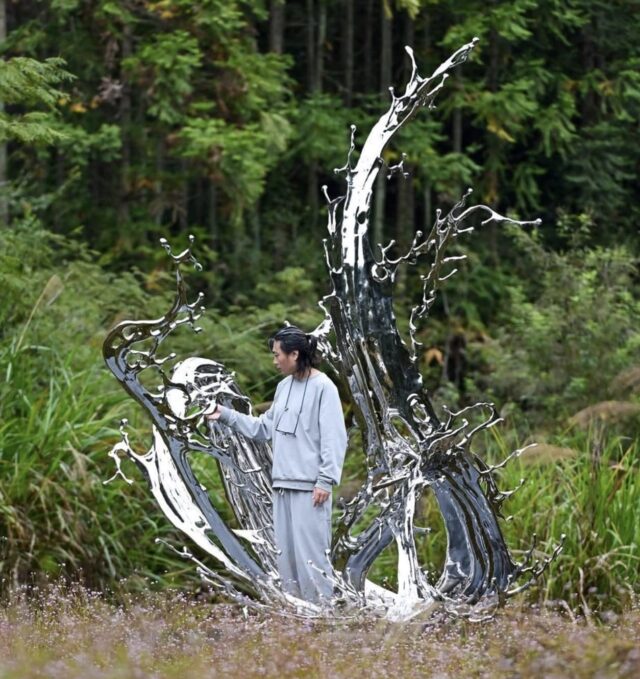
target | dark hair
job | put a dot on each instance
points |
(291, 338)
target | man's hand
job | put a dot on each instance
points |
(215, 414)
(319, 496)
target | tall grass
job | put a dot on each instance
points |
(59, 412)
(593, 499)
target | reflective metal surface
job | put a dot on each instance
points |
(409, 449)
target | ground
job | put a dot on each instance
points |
(57, 633)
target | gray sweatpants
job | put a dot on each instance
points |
(303, 534)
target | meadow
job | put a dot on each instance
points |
(68, 633)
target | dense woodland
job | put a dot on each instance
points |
(225, 118)
(124, 121)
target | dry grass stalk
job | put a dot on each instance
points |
(627, 381)
(545, 452)
(605, 411)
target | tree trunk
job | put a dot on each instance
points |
(368, 47)
(4, 193)
(313, 72)
(183, 205)
(386, 64)
(405, 210)
(199, 201)
(276, 26)
(212, 216)
(427, 191)
(257, 234)
(426, 33)
(588, 108)
(347, 51)
(125, 126)
(321, 39)
(428, 206)
(405, 215)
(457, 118)
(408, 38)
(405, 194)
(313, 200)
(157, 184)
(457, 132)
(404, 223)
(310, 46)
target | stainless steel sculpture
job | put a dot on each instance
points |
(408, 449)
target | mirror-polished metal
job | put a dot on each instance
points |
(409, 450)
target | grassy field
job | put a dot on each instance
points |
(74, 633)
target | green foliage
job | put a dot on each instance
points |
(562, 341)
(600, 169)
(30, 128)
(223, 18)
(241, 155)
(321, 126)
(168, 63)
(538, 107)
(581, 486)
(198, 101)
(261, 80)
(449, 173)
(31, 83)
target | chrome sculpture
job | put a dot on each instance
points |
(408, 449)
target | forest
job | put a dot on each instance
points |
(125, 121)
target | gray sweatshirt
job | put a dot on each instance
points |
(313, 455)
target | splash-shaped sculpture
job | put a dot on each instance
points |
(409, 450)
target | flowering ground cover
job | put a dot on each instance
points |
(78, 634)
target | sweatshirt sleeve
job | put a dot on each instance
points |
(333, 438)
(257, 428)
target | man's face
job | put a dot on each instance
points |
(285, 363)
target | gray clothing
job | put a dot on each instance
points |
(313, 455)
(303, 538)
(308, 438)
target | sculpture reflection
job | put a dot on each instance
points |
(409, 450)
